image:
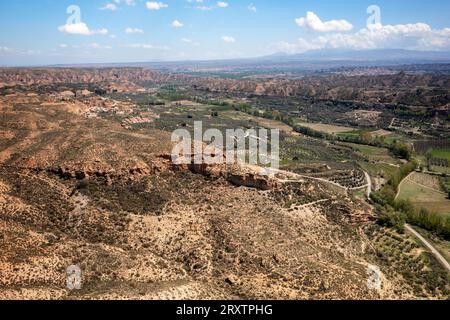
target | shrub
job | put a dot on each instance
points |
(430, 221)
(82, 185)
(393, 219)
(400, 150)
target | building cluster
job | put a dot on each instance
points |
(100, 105)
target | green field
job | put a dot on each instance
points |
(351, 134)
(396, 137)
(441, 153)
(425, 197)
(374, 153)
(375, 169)
(369, 150)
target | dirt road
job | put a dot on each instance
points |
(401, 184)
(430, 247)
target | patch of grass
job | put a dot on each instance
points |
(327, 128)
(422, 197)
(394, 137)
(352, 134)
(379, 169)
(441, 153)
(373, 153)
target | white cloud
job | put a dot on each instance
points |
(81, 28)
(190, 41)
(102, 31)
(298, 47)
(134, 30)
(151, 5)
(177, 24)
(228, 39)
(128, 2)
(93, 45)
(145, 46)
(313, 22)
(75, 28)
(5, 50)
(219, 4)
(204, 8)
(114, 5)
(109, 6)
(417, 36)
(139, 46)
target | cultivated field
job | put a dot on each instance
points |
(381, 133)
(441, 153)
(373, 153)
(423, 191)
(266, 123)
(327, 128)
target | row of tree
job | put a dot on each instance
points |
(398, 149)
(395, 213)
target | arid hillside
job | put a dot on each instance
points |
(401, 88)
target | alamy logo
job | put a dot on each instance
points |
(75, 15)
(73, 280)
(374, 279)
(374, 19)
(254, 147)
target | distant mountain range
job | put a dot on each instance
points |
(310, 60)
(363, 55)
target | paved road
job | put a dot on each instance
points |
(436, 253)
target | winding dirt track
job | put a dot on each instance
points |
(401, 185)
(430, 247)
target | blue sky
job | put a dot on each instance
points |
(37, 32)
